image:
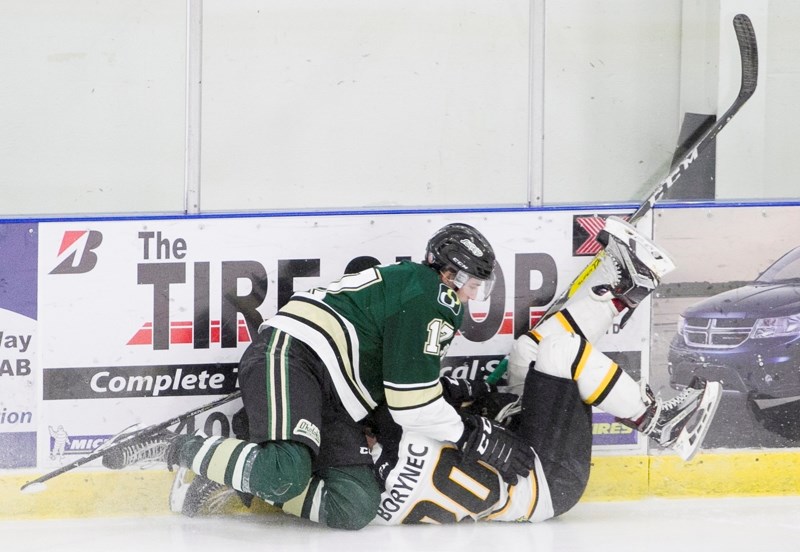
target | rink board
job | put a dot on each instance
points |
(111, 323)
(146, 492)
(89, 348)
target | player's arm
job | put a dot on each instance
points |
(383, 435)
(415, 339)
(415, 396)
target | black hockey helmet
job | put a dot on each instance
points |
(461, 248)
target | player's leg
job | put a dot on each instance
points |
(630, 268)
(194, 495)
(343, 493)
(343, 497)
(604, 384)
(558, 424)
(276, 463)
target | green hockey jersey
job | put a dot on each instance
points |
(381, 334)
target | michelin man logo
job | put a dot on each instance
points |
(60, 441)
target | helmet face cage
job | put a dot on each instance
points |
(462, 249)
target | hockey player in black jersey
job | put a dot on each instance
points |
(327, 359)
(560, 377)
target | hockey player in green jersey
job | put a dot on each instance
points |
(560, 377)
(328, 358)
(555, 378)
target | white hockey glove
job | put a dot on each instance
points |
(490, 442)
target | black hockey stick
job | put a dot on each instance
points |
(748, 54)
(38, 484)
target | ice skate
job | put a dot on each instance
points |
(633, 264)
(199, 496)
(156, 448)
(681, 423)
(618, 279)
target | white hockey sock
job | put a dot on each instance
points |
(601, 382)
(587, 315)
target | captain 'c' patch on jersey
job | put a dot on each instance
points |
(449, 299)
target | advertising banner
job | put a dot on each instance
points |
(731, 313)
(19, 365)
(139, 320)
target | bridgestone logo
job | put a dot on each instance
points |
(474, 249)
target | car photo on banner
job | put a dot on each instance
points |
(748, 338)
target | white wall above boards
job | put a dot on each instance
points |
(610, 99)
(92, 106)
(741, 148)
(756, 154)
(355, 104)
(758, 159)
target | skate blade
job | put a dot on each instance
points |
(688, 442)
(180, 486)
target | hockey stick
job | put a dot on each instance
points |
(748, 54)
(38, 484)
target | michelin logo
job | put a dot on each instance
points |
(63, 444)
(306, 429)
(60, 440)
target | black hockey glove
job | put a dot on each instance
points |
(493, 444)
(384, 464)
(459, 390)
(380, 426)
(490, 405)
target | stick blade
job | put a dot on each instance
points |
(33, 487)
(748, 50)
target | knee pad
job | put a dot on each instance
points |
(557, 353)
(351, 497)
(277, 471)
(524, 352)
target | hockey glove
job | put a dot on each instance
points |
(459, 390)
(490, 405)
(384, 463)
(381, 429)
(493, 444)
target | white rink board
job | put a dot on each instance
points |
(139, 320)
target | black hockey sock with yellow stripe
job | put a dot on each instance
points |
(276, 471)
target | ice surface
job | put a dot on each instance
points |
(653, 525)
